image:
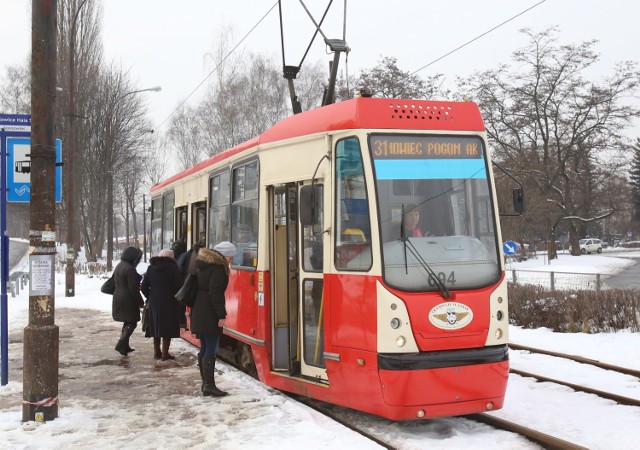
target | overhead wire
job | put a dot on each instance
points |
(477, 37)
(220, 64)
(344, 32)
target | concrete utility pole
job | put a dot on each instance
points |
(41, 335)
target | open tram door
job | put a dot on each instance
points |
(297, 340)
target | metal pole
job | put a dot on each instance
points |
(70, 270)
(41, 335)
(4, 245)
(144, 226)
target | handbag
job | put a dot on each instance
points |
(187, 293)
(109, 286)
(145, 317)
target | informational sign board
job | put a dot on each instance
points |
(15, 123)
(510, 248)
(19, 169)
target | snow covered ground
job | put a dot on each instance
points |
(108, 403)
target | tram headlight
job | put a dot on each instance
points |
(498, 333)
(395, 323)
(499, 316)
(401, 341)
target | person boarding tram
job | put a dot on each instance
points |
(209, 313)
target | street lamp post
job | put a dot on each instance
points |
(70, 270)
(144, 226)
(110, 176)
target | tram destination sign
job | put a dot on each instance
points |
(425, 147)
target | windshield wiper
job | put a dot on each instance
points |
(432, 275)
(403, 238)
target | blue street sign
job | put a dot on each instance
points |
(510, 248)
(19, 170)
(15, 123)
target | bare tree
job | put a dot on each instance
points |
(15, 90)
(389, 81)
(186, 135)
(557, 130)
(80, 59)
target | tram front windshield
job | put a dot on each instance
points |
(435, 212)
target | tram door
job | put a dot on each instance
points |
(198, 222)
(285, 282)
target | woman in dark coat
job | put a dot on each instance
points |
(162, 280)
(208, 313)
(127, 300)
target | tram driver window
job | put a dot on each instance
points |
(353, 227)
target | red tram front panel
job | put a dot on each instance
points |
(357, 381)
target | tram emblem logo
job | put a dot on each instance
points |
(450, 316)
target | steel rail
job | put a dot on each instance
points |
(580, 359)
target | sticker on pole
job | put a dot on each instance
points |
(510, 248)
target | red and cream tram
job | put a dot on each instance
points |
(332, 295)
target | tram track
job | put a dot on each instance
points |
(621, 399)
(372, 428)
(547, 441)
(576, 358)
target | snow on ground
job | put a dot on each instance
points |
(148, 404)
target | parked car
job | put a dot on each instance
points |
(590, 245)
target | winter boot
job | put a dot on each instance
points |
(123, 342)
(166, 342)
(209, 375)
(157, 353)
(201, 372)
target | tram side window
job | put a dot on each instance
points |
(244, 214)
(181, 225)
(353, 225)
(156, 225)
(168, 202)
(219, 220)
(312, 238)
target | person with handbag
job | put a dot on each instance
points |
(187, 266)
(162, 280)
(208, 313)
(127, 301)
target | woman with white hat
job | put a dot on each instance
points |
(208, 313)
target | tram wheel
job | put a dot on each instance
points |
(244, 359)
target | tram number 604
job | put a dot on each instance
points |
(450, 279)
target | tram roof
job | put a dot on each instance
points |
(358, 113)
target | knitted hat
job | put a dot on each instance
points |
(166, 252)
(226, 248)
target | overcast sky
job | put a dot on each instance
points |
(167, 43)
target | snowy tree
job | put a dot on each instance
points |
(559, 132)
(634, 176)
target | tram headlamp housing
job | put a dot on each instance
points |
(401, 341)
(499, 333)
(395, 323)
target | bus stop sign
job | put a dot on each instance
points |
(19, 169)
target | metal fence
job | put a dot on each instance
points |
(558, 280)
(574, 281)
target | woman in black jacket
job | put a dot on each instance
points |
(208, 313)
(127, 300)
(159, 285)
